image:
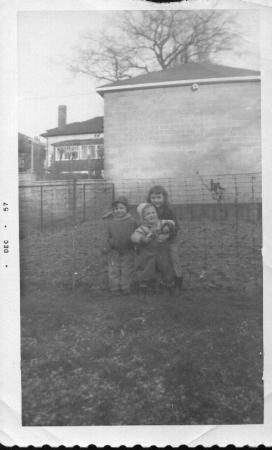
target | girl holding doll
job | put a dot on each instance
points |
(158, 197)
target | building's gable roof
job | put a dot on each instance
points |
(94, 125)
(190, 72)
(25, 143)
(23, 136)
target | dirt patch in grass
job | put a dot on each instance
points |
(92, 359)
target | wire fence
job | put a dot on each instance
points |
(47, 205)
(62, 230)
(226, 188)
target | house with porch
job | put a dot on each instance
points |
(75, 149)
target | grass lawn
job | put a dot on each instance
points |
(92, 359)
(214, 254)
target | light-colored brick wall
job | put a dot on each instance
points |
(172, 132)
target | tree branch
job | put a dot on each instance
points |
(158, 39)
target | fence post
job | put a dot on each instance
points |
(253, 199)
(236, 202)
(237, 250)
(41, 200)
(74, 236)
(253, 229)
(113, 192)
(74, 201)
(74, 258)
(84, 203)
(252, 188)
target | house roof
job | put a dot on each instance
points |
(183, 74)
(94, 125)
(78, 142)
(23, 136)
(25, 142)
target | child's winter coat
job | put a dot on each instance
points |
(153, 258)
(166, 212)
(120, 252)
(119, 233)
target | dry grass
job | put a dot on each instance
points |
(214, 254)
(90, 359)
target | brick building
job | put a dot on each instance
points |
(171, 124)
(75, 149)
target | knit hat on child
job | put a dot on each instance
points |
(141, 209)
(122, 200)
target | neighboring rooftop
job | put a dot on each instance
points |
(22, 135)
(94, 125)
(184, 72)
(78, 142)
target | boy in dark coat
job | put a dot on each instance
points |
(120, 249)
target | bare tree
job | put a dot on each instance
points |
(155, 40)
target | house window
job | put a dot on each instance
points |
(60, 152)
(67, 153)
(74, 152)
(84, 152)
(91, 151)
(100, 151)
(21, 162)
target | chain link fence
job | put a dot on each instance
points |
(62, 231)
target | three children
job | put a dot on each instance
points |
(155, 241)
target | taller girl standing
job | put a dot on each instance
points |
(158, 197)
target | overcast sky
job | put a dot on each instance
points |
(46, 39)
